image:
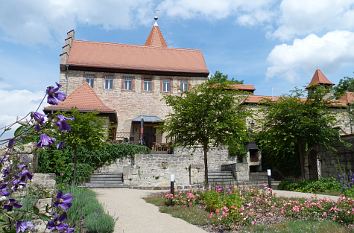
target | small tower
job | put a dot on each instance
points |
(155, 38)
(319, 79)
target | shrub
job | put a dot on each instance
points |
(99, 223)
(312, 186)
(87, 212)
(60, 161)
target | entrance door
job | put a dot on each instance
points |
(149, 135)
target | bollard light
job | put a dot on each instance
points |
(172, 184)
(172, 177)
(269, 174)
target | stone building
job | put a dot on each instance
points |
(132, 79)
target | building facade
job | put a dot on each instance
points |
(132, 79)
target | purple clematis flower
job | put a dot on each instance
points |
(17, 183)
(25, 175)
(11, 143)
(6, 172)
(54, 95)
(4, 190)
(45, 140)
(60, 145)
(12, 203)
(57, 223)
(63, 124)
(38, 117)
(64, 201)
(23, 226)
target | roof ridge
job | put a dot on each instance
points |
(139, 46)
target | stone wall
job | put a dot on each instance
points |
(332, 162)
(154, 170)
(128, 104)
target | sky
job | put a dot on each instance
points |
(274, 44)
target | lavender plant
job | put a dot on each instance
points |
(15, 174)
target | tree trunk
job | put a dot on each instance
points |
(205, 152)
(301, 154)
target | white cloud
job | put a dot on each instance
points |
(246, 12)
(331, 51)
(15, 104)
(42, 22)
(302, 17)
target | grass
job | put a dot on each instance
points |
(86, 212)
(299, 227)
(193, 215)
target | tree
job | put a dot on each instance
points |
(208, 115)
(293, 126)
(86, 131)
(345, 84)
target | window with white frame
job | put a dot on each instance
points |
(128, 83)
(90, 79)
(108, 83)
(166, 85)
(148, 84)
(183, 85)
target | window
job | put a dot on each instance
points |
(166, 85)
(108, 83)
(128, 83)
(183, 85)
(148, 85)
(90, 80)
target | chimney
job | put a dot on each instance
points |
(70, 36)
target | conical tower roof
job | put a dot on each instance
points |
(318, 79)
(155, 38)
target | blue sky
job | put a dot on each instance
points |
(273, 44)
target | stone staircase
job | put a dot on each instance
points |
(259, 179)
(106, 180)
(221, 178)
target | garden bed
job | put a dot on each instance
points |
(255, 210)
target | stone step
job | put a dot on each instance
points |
(104, 175)
(106, 182)
(106, 178)
(105, 185)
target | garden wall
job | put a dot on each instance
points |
(343, 159)
(154, 170)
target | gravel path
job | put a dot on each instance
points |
(136, 216)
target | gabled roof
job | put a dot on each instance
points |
(136, 58)
(319, 79)
(155, 38)
(347, 98)
(243, 87)
(84, 99)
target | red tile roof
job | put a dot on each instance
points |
(155, 38)
(242, 87)
(135, 57)
(319, 78)
(82, 98)
(347, 98)
(256, 99)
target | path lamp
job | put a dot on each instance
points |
(269, 174)
(172, 187)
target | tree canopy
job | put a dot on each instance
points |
(293, 126)
(345, 84)
(208, 115)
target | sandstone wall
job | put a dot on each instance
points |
(154, 170)
(128, 104)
